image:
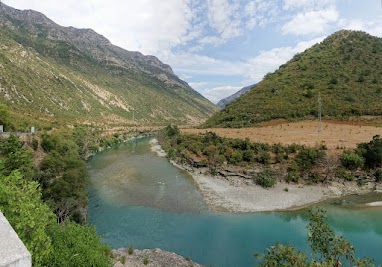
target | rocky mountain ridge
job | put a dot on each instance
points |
(225, 101)
(69, 73)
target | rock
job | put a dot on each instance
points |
(156, 257)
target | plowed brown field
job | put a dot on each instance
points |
(335, 135)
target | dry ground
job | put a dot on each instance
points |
(335, 135)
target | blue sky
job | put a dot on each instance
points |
(217, 46)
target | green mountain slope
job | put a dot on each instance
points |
(345, 69)
(66, 73)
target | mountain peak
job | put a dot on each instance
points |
(69, 72)
(345, 69)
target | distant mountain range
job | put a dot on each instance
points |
(225, 101)
(64, 73)
(344, 71)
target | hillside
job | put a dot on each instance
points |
(225, 101)
(64, 73)
(345, 69)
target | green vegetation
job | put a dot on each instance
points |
(372, 152)
(352, 161)
(329, 249)
(345, 69)
(77, 245)
(367, 156)
(265, 164)
(216, 153)
(35, 199)
(265, 179)
(75, 80)
(20, 201)
(130, 250)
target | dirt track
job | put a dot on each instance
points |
(335, 136)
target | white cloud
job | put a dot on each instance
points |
(217, 93)
(199, 85)
(311, 22)
(149, 26)
(269, 61)
(374, 27)
(307, 4)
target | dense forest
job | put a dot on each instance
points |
(344, 70)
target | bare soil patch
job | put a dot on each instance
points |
(336, 136)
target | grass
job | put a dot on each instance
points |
(64, 81)
(344, 69)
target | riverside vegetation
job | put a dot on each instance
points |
(264, 164)
(301, 165)
(43, 193)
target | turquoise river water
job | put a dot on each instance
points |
(139, 199)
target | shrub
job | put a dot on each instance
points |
(378, 175)
(372, 152)
(77, 245)
(145, 261)
(34, 144)
(293, 173)
(308, 157)
(263, 157)
(265, 179)
(345, 175)
(130, 250)
(237, 156)
(352, 160)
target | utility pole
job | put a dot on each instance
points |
(319, 113)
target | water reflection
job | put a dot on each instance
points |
(131, 176)
(138, 199)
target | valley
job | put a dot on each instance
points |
(131, 162)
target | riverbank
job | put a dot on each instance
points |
(235, 193)
(151, 258)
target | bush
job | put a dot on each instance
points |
(236, 157)
(345, 175)
(372, 152)
(130, 250)
(77, 245)
(308, 157)
(34, 144)
(293, 174)
(352, 161)
(263, 157)
(378, 175)
(20, 201)
(265, 179)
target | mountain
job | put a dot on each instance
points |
(225, 101)
(345, 70)
(64, 73)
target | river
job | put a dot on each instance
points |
(139, 199)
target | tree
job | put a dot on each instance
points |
(17, 157)
(329, 250)
(5, 117)
(77, 245)
(372, 152)
(20, 201)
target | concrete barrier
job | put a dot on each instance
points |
(13, 253)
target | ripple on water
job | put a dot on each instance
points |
(139, 199)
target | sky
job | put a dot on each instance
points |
(217, 46)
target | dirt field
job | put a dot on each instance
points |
(336, 136)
